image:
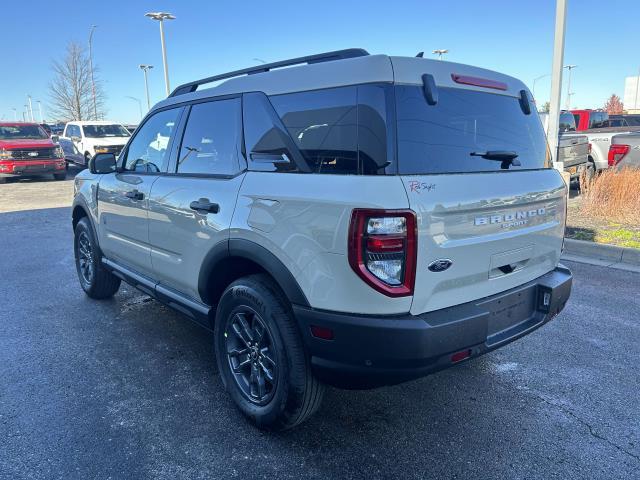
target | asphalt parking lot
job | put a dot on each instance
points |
(127, 388)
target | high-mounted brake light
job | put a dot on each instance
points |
(478, 82)
(616, 153)
(383, 249)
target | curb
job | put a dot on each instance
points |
(602, 254)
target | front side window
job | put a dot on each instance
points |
(105, 131)
(211, 138)
(148, 151)
(15, 132)
(463, 130)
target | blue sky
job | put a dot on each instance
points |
(208, 37)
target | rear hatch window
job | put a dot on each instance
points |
(441, 138)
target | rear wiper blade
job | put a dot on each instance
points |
(507, 157)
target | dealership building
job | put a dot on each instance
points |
(632, 94)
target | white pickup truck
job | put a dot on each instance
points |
(89, 138)
(609, 148)
(573, 148)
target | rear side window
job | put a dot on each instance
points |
(441, 138)
(339, 130)
(211, 138)
(323, 125)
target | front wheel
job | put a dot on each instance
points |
(261, 356)
(96, 281)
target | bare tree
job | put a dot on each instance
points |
(546, 106)
(70, 90)
(614, 105)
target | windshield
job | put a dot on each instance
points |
(451, 136)
(15, 132)
(101, 131)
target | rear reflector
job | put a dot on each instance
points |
(323, 333)
(459, 356)
(478, 82)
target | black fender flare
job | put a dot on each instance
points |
(236, 247)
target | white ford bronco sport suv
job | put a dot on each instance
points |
(356, 220)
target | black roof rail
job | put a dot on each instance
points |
(318, 58)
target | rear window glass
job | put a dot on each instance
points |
(567, 123)
(441, 138)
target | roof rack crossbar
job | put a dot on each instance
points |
(318, 58)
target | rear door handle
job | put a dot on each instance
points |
(135, 195)
(203, 205)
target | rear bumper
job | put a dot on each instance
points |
(371, 351)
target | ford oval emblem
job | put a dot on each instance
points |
(440, 265)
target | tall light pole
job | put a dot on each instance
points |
(440, 52)
(93, 82)
(40, 110)
(556, 81)
(568, 104)
(145, 69)
(533, 89)
(161, 17)
(15, 113)
(30, 108)
(139, 103)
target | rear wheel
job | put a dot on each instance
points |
(3, 179)
(96, 281)
(261, 357)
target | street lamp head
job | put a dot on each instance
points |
(160, 16)
(145, 67)
(570, 66)
(440, 51)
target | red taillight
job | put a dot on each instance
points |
(478, 82)
(383, 249)
(617, 153)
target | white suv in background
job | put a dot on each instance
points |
(89, 138)
(356, 220)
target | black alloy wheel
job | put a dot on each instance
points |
(251, 356)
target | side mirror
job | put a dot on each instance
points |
(55, 138)
(75, 139)
(103, 163)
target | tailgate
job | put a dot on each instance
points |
(498, 230)
(573, 150)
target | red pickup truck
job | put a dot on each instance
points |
(26, 150)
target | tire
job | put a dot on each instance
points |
(60, 176)
(96, 281)
(3, 180)
(273, 347)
